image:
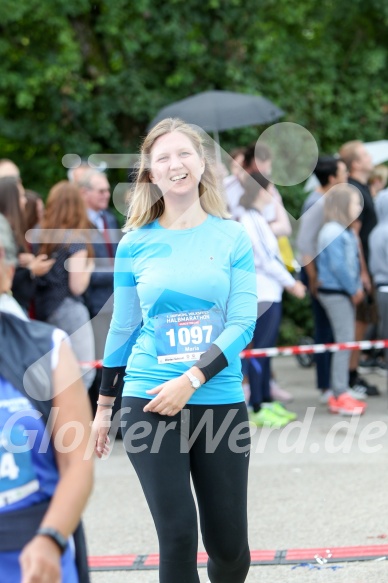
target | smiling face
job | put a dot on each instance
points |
(176, 167)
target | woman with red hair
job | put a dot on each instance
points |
(63, 235)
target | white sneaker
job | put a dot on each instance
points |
(325, 396)
(279, 394)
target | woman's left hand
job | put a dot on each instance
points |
(172, 396)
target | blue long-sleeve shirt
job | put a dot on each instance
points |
(176, 292)
(338, 259)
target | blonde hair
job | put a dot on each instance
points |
(146, 202)
(349, 152)
(337, 202)
(379, 172)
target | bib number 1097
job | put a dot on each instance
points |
(193, 335)
(184, 336)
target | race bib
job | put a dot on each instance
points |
(17, 475)
(184, 336)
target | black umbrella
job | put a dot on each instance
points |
(217, 111)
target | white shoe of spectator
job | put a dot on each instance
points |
(325, 396)
(279, 394)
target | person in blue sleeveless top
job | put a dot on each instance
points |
(184, 308)
(45, 476)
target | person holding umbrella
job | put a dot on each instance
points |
(184, 308)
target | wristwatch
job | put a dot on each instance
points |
(195, 382)
(56, 536)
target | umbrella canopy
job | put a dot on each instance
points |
(216, 111)
(378, 150)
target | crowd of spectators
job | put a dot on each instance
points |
(338, 266)
(66, 249)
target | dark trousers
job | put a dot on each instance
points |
(322, 335)
(164, 462)
(265, 336)
(382, 304)
(100, 324)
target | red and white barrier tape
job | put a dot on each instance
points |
(292, 350)
(314, 348)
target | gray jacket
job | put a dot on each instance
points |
(378, 243)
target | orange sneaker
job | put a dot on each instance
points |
(344, 404)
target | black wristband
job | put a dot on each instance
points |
(112, 381)
(56, 536)
(212, 362)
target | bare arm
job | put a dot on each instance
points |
(281, 226)
(356, 226)
(40, 559)
(311, 272)
(365, 278)
(298, 290)
(80, 269)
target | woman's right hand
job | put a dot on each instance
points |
(100, 429)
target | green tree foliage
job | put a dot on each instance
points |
(86, 76)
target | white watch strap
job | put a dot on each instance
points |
(192, 378)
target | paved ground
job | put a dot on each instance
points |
(321, 482)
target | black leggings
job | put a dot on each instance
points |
(164, 459)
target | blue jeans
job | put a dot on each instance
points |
(264, 336)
